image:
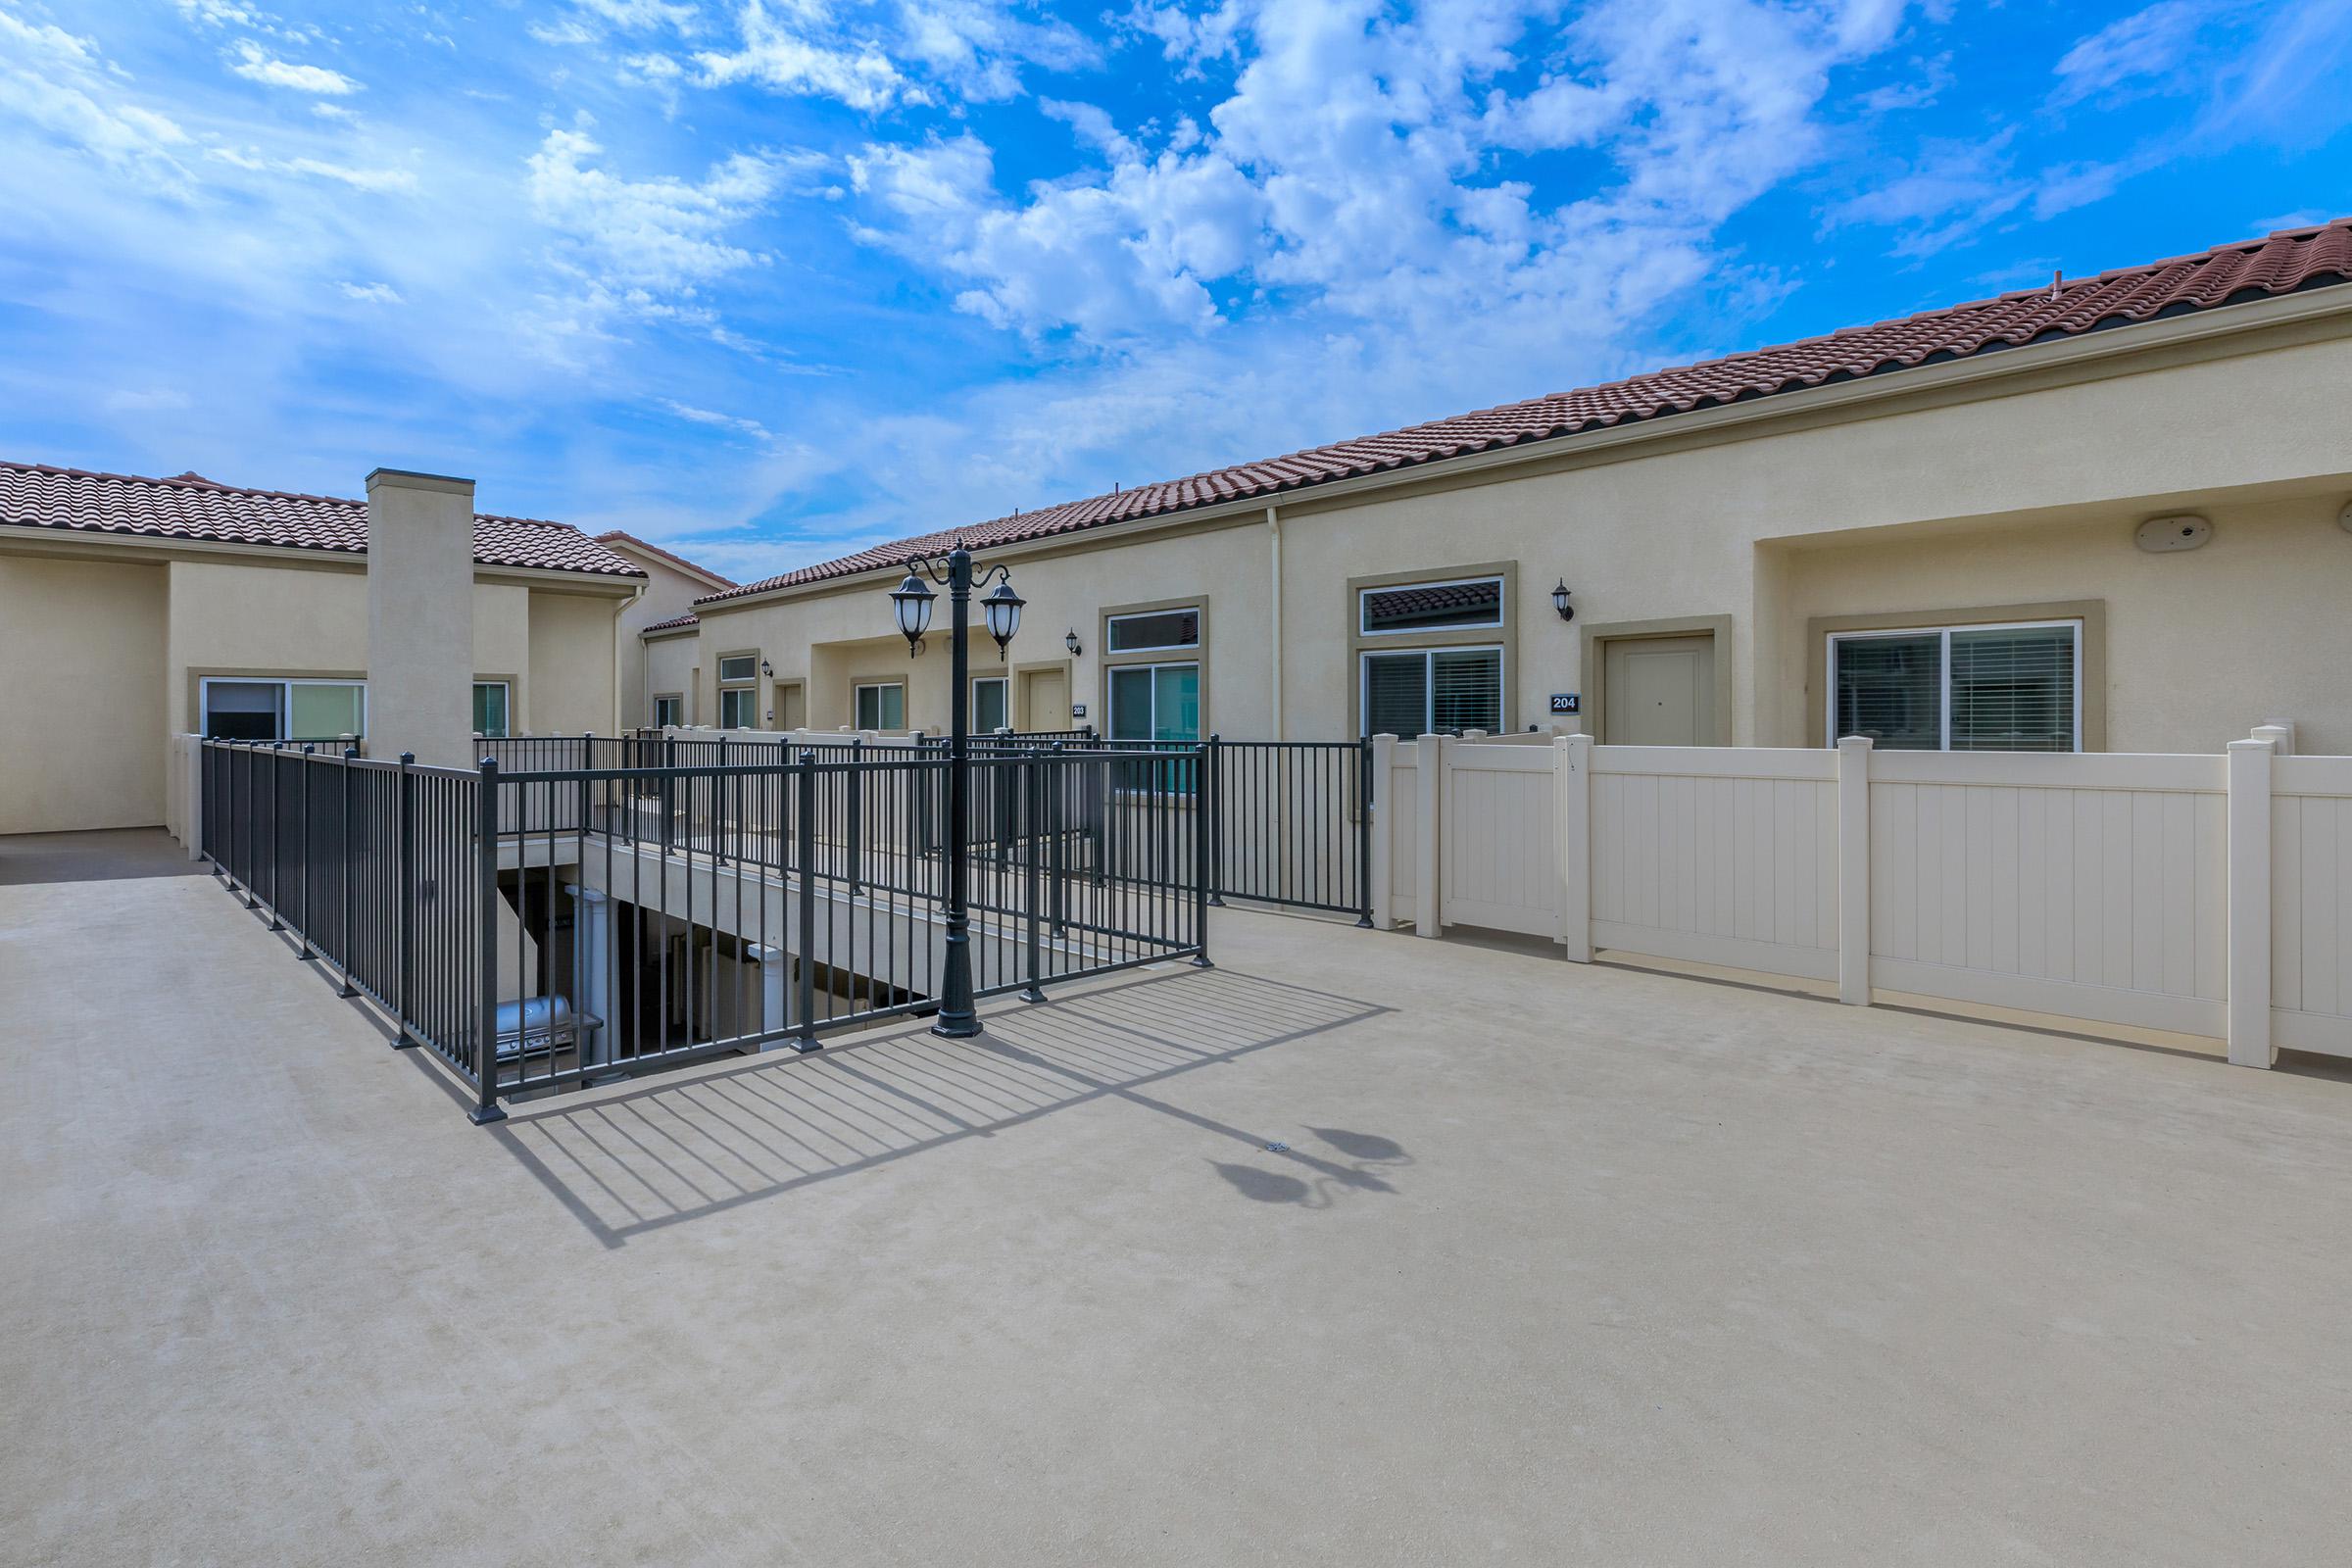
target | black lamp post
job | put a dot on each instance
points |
(911, 604)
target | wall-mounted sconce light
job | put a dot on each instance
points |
(1069, 640)
(768, 670)
(1559, 600)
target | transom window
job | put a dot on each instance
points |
(669, 709)
(490, 707)
(882, 706)
(1469, 602)
(1433, 691)
(2009, 688)
(989, 707)
(289, 710)
(1155, 703)
(1153, 630)
(739, 667)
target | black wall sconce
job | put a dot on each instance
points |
(1069, 640)
(768, 670)
(1559, 600)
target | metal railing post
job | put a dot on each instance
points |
(804, 839)
(307, 952)
(350, 879)
(1201, 816)
(1210, 805)
(1363, 831)
(406, 861)
(1054, 817)
(1033, 811)
(854, 813)
(486, 1054)
(277, 870)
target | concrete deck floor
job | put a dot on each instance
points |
(1561, 1264)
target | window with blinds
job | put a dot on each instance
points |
(1433, 691)
(1960, 688)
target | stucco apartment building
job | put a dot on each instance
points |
(2106, 514)
(134, 609)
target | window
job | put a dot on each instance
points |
(283, 709)
(2015, 688)
(1155, 703)
(669, 710)
(490, 707)
(1430, 606)
(989, 709)
(1434, 691)
(1152, 631)
(739, 691)
(882, 706)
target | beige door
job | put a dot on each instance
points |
(789, 707)
(1045, 700)
(1661, 691)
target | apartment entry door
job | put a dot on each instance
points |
(1044, 699)
(1661, 691)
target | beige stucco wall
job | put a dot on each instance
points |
(2201, 645)
(82, 702)
(572, 664)
(2024, 488)
(669, 594)
(668, 667)
(129, 640)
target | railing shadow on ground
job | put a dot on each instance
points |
(631, 1163)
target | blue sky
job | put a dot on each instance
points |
(771, 279)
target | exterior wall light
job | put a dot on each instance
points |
(1069, 640)
(768, 670)
(1559, 600)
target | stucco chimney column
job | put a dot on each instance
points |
(421, 617)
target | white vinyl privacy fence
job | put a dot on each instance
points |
(2208, 894)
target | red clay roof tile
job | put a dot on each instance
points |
(34, 495)
(2282, 263)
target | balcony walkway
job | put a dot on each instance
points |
(1558, 1264)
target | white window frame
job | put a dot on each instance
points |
(504, 686)
(1429, 681)
(1110, 689)
(285, 685)
(857, 693)
(1111, 640)
(1002, 681)
(1502, 606)
(1943, 668)
(677, 698)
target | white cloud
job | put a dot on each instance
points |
(1355, 170)
(643, 240)
(870, 57)
(146, 400)
(2143, 47)
(57, 84)
(724, 422)
(371, 293)
(271, 71)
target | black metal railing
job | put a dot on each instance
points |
(599, 911)
(368, 865)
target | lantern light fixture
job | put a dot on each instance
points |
(1559, 600)
(1003, 610)
(1069, 640)
(910, 603)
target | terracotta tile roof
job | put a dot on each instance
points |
(2283, 263)
(34, 495)
(622, 536)
(673, 623)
